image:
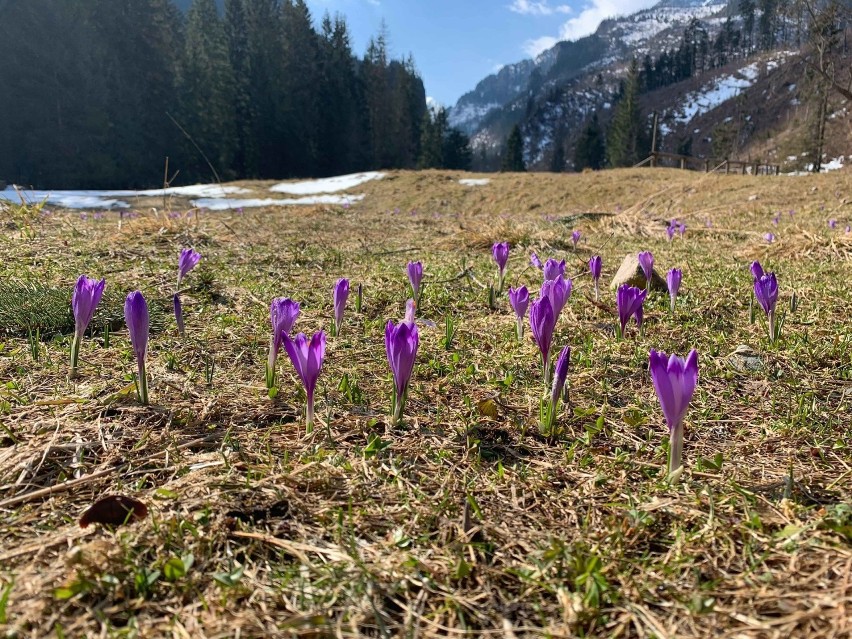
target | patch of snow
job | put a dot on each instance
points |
(113, 199)
(327, 185)
(221, 204)
(475, 181)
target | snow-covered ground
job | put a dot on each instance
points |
(327, 185)
(113, 199)
(474, 181)
(223, 204)
(210, 196)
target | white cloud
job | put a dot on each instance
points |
(586, 22)
(592, 15)
(537, 8)
(534, 47)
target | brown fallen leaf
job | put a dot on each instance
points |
(114, 510)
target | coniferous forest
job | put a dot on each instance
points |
(97, 93)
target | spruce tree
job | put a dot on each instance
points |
(590, 151)
(457, 152)
(626, 138)
(513, 158)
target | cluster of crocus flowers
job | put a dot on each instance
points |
(595, 264)
(401, 343)
(283, 313)
(307, 357)
(187, 261)
(341, 294)
(137, 320)
(560, 375)
(766, 293)
(415, 278)
(519, 298)
(84, 300)
(500, 252)
(674, 380)
(673, 278)
(630, 303)
(646, 261)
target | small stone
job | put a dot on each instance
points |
(630, 272)
(744, 358)
(752, 198)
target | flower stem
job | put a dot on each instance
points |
(520, 329)
(309, 413)
(675, 448)
(75, 354)
(142, 383)
(597, 291)
(771, 317)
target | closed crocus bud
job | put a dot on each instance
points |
(542, 324)
(341, 294)
(630, 301)
(535, 261)
(137, 320)
(756, 270)
(766, 293)
(307, 358)
(84, 300)
(595, 264)
(415, 277)
(673, 278)
(401, 344)
(553, 269)
(575, 238)
(519, 298)
(187, 261)
(500, 252)
(646, 261)
(283, 313)
(674, 381)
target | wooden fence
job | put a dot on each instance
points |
(659, 158)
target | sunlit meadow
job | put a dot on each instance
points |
(380, 420)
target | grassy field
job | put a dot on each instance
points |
(466, 520)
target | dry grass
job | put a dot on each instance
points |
(459, 523)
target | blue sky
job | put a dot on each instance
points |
(456, 43)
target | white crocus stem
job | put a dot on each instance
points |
(675, 448)
(771, 317)
(520, 328)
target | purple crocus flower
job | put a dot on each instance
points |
(519, 298)
(670, 231)
(84, 300)
(848, 229)
(178, 307)
(756, 270)
(283, 313)
(766, 292)
(630, 301)
(553, 269)
(560, 376)
(646, 261)
(575, 238)
(500, 251)
(558, 291)
(307, 358)
(542, 324)
(776, 219)
(410, 310)
(681, 229)
(401, 344)
(674, 380)
(673, 278)
(187, 261)
(595, 264)
(415, 277)
(341, 294)
(769, 237)
(137, 320)
(535, 261)
(832, 224)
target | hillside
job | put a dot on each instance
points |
(734, 100)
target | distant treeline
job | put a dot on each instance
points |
(97, 93)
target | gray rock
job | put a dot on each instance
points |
(744, 359)
(630, 272)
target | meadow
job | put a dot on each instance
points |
(467, 518)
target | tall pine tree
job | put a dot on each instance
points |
(513, 158)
